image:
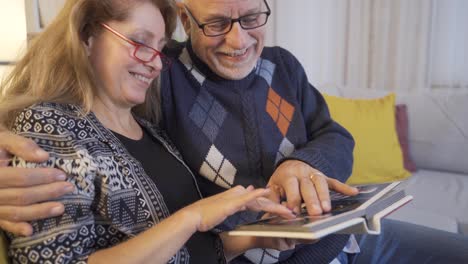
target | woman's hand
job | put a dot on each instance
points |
(213, 210)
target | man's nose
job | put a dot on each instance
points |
(237, 37)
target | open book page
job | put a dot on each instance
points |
(368, 194)
(346, 211)
(385, 201)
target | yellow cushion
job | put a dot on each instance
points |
(377, 155)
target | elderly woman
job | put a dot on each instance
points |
(83, 93)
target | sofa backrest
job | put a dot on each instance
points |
(438, 126)
(438, 130)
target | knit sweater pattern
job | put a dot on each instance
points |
(239, 131)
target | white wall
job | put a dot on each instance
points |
(388, 45)
(376, 44)
(449, 49)
(313, 31)
(4, 71)
(12, 31)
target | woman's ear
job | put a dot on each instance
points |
(88, 44)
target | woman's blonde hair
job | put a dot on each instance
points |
(56, 67)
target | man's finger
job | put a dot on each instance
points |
(31, 212)
(22, 147)
(310, 197)
(323, 192)
(24, 177)
(293, 194)
(18, 228)
(31, 195)
(342, 187)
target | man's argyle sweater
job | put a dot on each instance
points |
(238, 132)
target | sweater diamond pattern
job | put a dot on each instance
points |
(207, 114)
(218, 169)
(280, 110)
(266, 69)
(285, 149)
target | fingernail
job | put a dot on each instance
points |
(57, 210)
(69, 188)
(325, 205)
(297, 210)
(40, 152)
(316, 208)
(61, 177)
(26, 232)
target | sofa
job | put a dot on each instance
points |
(438, 146)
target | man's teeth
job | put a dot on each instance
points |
(141, 78)
(236, 53)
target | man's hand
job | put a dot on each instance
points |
(297, 182)
(21, 189)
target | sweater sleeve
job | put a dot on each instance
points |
(330, 146)
(69, 238)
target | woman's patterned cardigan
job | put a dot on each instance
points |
(114, 199)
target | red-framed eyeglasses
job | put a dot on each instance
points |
(142, 53)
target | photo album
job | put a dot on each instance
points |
(357, 214)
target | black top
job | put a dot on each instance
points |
(176, 186)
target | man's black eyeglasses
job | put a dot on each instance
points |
(222, 26)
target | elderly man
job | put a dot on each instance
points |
(239, 113)
(246, 114)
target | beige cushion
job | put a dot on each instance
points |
(440, 200)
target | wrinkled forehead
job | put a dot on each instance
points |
(229, 8)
